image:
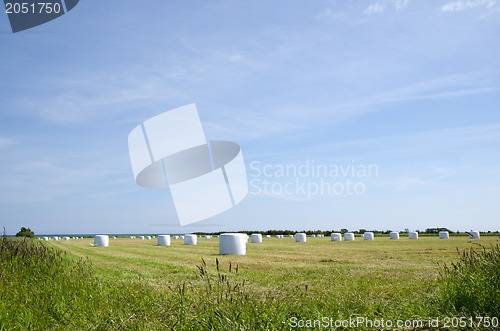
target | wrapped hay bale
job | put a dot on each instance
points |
(101, 240)
(368, 236)
(474, 235)
(256, 238)
(444, 235)
(190, 239)
(413, 235)
(300, 237)
(348, 236)
(233, 244)
(336, 237)
(163, 240)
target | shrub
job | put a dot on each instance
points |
(25, 232)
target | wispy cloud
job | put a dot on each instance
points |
(374, 8)
(379, 6)
(467, 4)
(6, 142)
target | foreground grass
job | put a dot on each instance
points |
(472, 285)
(134, 284)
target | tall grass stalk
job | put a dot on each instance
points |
(472, 285)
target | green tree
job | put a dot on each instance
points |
(25, 232)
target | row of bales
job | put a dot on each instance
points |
(235, 243)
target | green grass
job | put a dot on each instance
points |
(135, 284)
(471, 286)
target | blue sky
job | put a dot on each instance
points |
(410, 87)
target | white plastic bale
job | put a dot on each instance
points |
(256, 238)
(55, 238)
(290, 236)
(413, 235)
(474, 235)
(190, 239)
(348, 236)
(114, 237)
(313, 236)
(182, 237)
(141, 237)
(65, 238)
(336, 237)
(45, 238)
(394, 235)
(207, 237)
(233, 244)
(268, 237)
(300, 237)
(163, 240)
(101, 240)
(444, 235)
(176, 237)
(368, 236)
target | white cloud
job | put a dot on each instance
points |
(374, 8)
(379, 6)
(236, 57)
(6, 142)
(400, 4)
(466, 4)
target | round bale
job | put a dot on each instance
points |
(394, 235)
(101, 240)
(348, 236)
(256, 238)
(190, 239)
(163, 240)
(300, 237)
(233, 244)
(336, 237)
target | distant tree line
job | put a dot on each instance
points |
(329, 232)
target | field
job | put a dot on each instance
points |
(279, 284)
